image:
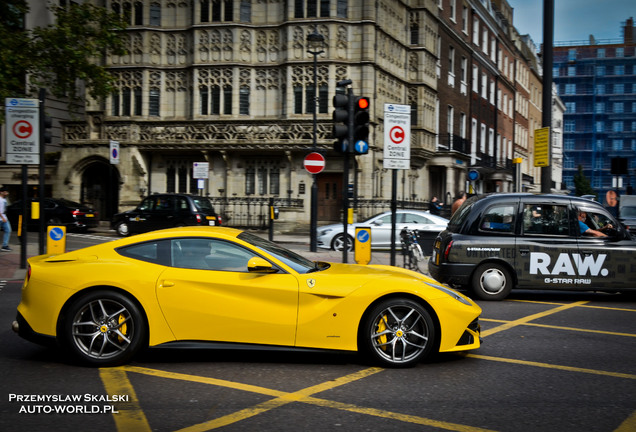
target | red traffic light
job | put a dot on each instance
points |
(363, 102)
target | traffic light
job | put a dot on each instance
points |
(47, 134)
(341, 122)
(361, 125)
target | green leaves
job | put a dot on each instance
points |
(60, 57)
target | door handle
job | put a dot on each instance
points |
(167, 283)
(586, 252)
(524, 252)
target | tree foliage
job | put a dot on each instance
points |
(582, 184)
(60, 56)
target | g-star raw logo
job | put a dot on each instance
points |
(569, 264)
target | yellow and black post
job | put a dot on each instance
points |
(56, 240)
(273, 214)
(362, 245)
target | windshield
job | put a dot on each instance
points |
(458, 218)
(203, 204)
(292, 259)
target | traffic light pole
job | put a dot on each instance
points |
(345, 177)
(42, 171)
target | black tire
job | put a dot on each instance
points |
(104, 328)
(122, 229)
(53, 221)
(338, 243)
(397, 333)
(492, 281)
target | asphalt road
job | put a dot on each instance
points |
(549, 362)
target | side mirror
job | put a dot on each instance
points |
(378, 222)
(259, 265)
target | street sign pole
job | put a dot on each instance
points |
(42, 167)
(397, 153)
(22, 126)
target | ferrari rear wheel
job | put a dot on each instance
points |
(398, 333)
(104, 328)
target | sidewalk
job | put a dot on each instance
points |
(10, 261)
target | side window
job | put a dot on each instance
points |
(147, 204)
(386, 220)
(152, 252)
(182, 204)
(498, 219)
(596, 221)
(165, 204)
(416, 219)
(545, 220)
(206, 254)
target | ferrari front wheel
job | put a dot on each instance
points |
(398, 333)
(104, 328)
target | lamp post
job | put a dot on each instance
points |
(315, 45)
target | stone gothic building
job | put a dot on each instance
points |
(231, 83)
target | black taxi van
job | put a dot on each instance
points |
(497, 242)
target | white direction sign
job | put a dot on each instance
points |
(201, 170)
(397, 136)
(22, 131)
(114, 152)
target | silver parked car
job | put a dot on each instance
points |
(331, 237)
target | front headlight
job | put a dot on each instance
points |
(451, 293)
(325, 231)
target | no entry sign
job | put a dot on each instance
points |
(314, 163)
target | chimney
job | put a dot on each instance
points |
(628, 31)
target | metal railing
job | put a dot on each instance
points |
(250, 211)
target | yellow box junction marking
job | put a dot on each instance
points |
(132, 418)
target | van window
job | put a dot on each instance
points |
(498, 219)
(546, 219)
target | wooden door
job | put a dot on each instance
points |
(329, 197)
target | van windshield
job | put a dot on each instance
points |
(457, 220)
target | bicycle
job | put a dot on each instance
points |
(413, 257)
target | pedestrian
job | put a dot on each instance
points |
(435, 206)
(461, 197)
(6, 226)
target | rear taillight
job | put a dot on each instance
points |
(199, 218)
(447, 250)
(78, 213)
(219, 220)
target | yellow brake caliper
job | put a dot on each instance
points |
(381, 328)
(123, 328)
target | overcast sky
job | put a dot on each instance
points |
(574, 19)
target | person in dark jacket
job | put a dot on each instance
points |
(435, 206)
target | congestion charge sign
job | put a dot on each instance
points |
(397, 136)
(22, 131)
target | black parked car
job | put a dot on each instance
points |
(166, 211)
(56, 211)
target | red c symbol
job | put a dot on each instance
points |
(396, 134)
(22, 129)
